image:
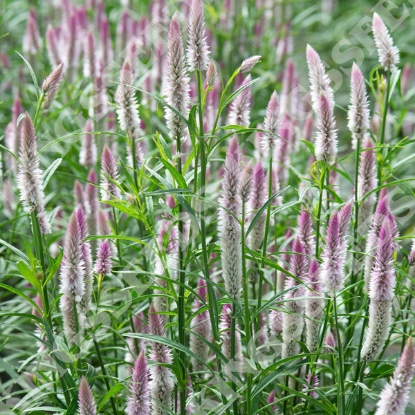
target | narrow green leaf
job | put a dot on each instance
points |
(112, 392)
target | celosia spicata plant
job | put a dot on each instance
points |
(202, 214)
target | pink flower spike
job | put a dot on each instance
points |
(139, 401)
(198, 50)
(395, 395)
(29, 179)
(326, 137)
(51, 84)
(52, 44)
(388, 54)
(177, 81)
(86, 400)
(230, 229)
(248, 64)
(319, 81)
(305, 232)
(109, 174)
(104, 264)
(272, 123)
(359, 114)
(239, 113)
(88, 156)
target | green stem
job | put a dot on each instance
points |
(134, 157)
(265, 243)
(383, 129)
(341, 402)
(233, 352)
(320, 203)
(116, 232)
(38, 108)
(247, 313)
(104, 373)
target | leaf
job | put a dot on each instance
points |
(19, 293)
(32, 74)
(232, 96)
(16, 251)
(48, 173)
(112, 392)
(28, 273)
(176, 175)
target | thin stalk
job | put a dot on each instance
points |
(233, 352)
(116, 232)
(247, 314)
(356, 207)
(360, 395)
(38, 108)
(320, 203)
(104, 373)
(181, 301)
(134, 157)
(265, 243)
(383, 128)
(341, 402)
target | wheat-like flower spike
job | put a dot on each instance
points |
(29, 179)
(87, 260)
(51, 84)
(359, 114)
(161, 384)
(109, 175)
(293, 321)
(248, 64)
(211, 74)
(88, 155)
(326, 137)
(313, 306)
(245, 183)
(197, 50)
(319, 81)
(305, 232)
(395, 395)
(139, 400)
(72, 274)
(52, 44)
(127, 107)
(229, 227)
(388, 54)
(200, 326)
(90, 56)
(240, 110)
(381, 293)
(272, 124)
(177, 82)
(86, 400)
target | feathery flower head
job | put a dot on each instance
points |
(367, 180)
(314, 383)
(305, 234)
(73, 268)
(248, 64)
(359, 114)
(211, 74)
(275, 322)
(29, 179)
(139, 400)
(382, 278)
(245, 183)
(344, 221)
(395, 395)
(330, 341)
(127, 107)
(198, 50)
(239, 113)
(13, 130)
(86, 400)
(271, 399)
(298, 267)
(388, 54)
(104, 264)
(200, 326)
(326, 137)
(88, 156)
(177, 81)
(333, 257)
(319, 80)
(230, 230)
(52, 44)
(51, 84)
(109, 171)
(89, 56)
(308, 127)
(272, 123)
(32, 42)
